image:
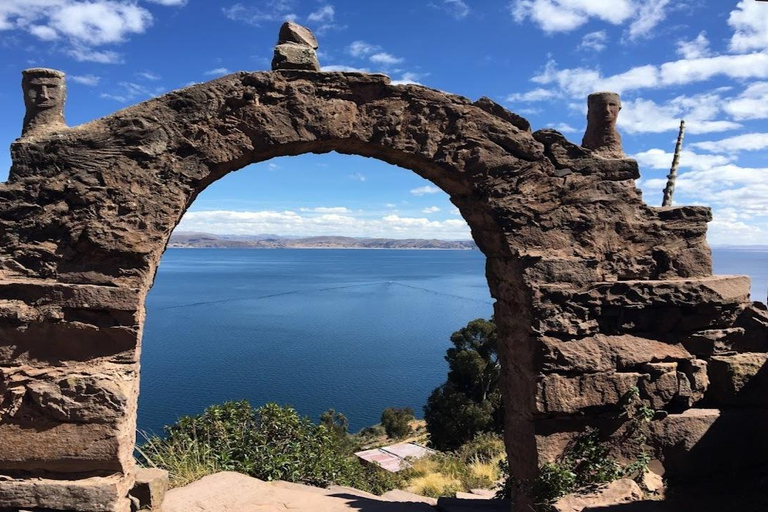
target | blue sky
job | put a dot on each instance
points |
(702, 60)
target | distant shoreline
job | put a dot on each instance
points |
(336, 248)
(269, 241)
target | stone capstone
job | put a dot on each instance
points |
(296, 49)
(291, 32)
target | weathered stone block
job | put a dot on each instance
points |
(601, 353)
(60, 342)
(97, 494)
(558, 394)
(66, 447)
(662, 386)
(295, 56)
(708, 442)
(679, 305)
(150, 488)
(712, 341)
(739, 379)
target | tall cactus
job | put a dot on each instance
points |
(669, 190)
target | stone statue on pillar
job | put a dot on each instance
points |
(601, 135)
(45, 93)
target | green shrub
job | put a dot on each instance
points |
(269, 443)
(397, 422)
(486, 447)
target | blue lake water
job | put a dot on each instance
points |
(353, 330)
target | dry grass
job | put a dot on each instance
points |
(185, 460)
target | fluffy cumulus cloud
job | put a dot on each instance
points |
(752, 103)
(581, 81)
(695, 48)
(641, 16)
(426, 189)
(736, 144)
(594, 41)
(317, 222)
(749, 22)
(699, 111)
(81, 25)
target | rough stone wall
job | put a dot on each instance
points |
(595, 291)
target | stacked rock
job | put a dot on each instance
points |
(296, 48)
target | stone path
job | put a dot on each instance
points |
(235, 492)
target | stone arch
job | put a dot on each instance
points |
(574, 260)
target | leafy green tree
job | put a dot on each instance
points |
(469, 402)
(397, 422)
(335, 422)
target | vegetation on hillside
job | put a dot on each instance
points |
(269, 443)
(469, 402)
(397, 422)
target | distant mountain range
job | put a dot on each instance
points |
(266, 241)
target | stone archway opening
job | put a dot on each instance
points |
(355, 331)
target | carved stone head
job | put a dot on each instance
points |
(603, 109)
(601, 135)
(45, 93)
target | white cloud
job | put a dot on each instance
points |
(649, 14)
(749, 22)
(324, 14)
(361, 49)
(218, 72)
(98, 23)
(660, 159)
(594, 41)
(170, 3)
(745, 142)
(266, 12)
(694, 49)
(312, 223)
(699, 111)
(752, 103)
(431, 209)
(82, 54)
(426, 189)
(44, 32)
(409, 78)
(385, 59)
(327, 209)
(82, 24)
(357, 176)
(567, 15)
(90, 80)
(539, 94)
(564, 128)
(456, 8)
(579, 82)
(128, 91)
(148, 75)
(345, 69)
(390, 205)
